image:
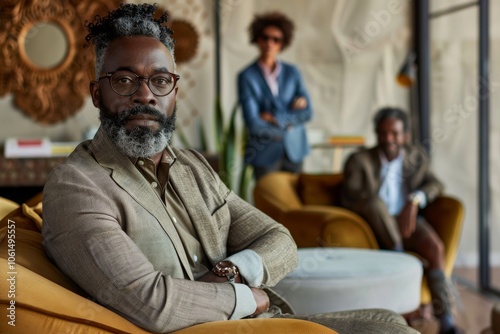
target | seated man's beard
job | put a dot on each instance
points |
(139, 142)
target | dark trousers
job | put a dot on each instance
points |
(283, 164)
(424, 241)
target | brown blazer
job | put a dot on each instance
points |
(107, 229)
(362, 183)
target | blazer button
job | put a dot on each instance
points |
(154, 184)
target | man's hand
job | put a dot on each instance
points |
(211, 277)
(407, 220)
(268, 117)
(262, 300)
(299, 103)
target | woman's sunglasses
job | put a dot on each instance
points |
(274, 39)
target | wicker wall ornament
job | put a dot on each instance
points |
(47, 95)
(186, 40)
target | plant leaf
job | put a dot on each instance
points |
(245, 180)
(203, 137)
(182, 137)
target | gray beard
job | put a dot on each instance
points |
(139, 142)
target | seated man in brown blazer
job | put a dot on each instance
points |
(387, 185)
(148, 230)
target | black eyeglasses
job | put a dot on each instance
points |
(274, 39)
(126, 83)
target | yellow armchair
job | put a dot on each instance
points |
(309, 206)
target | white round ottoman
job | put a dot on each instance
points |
(340, 279)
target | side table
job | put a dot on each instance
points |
(341, 279)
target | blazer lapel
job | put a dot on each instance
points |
(284, 78)
(410, 164)
(377, 164)
(184, 184)
(266, 90)
(131, 180)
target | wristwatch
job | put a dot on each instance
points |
(227, 269)
(415, 199)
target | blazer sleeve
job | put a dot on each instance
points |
(432, 187)
(250, 95)
(420, 175)
(83, 236)
(356, 186)
(252, 229)
(299, 116)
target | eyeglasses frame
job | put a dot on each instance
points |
(108, 75)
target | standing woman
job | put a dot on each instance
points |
(274, 100)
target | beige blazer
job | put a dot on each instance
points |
(107, 229)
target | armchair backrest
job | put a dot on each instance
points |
(278, 192)
(308, 205)
(320, 189)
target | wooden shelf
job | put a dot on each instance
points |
(26, 171)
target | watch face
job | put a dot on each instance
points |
(226, 268)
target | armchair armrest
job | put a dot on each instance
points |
(328, 226)
(255, 326)
(446, 215)
(42, 306)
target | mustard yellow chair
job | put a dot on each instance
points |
(6, 206)
(309, 206)
(47, 302)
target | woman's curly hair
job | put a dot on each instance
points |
(127, 20)
(274, 19)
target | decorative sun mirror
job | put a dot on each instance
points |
(34, 47)
(186, 40)
(42, 60)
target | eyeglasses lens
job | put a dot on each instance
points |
(127, 83)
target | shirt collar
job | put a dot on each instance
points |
(168, 157)
(384, 161)
(267, 71)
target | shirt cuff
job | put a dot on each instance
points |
(250, 266)
(422, 199)
(245, 302)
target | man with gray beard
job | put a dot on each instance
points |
(148, 230)
(138, 141)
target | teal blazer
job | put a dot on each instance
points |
(267, 143)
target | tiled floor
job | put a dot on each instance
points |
(472, 308)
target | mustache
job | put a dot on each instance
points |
(121, 118)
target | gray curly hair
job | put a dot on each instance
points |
(127, 20)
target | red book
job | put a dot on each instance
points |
(27, 148)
